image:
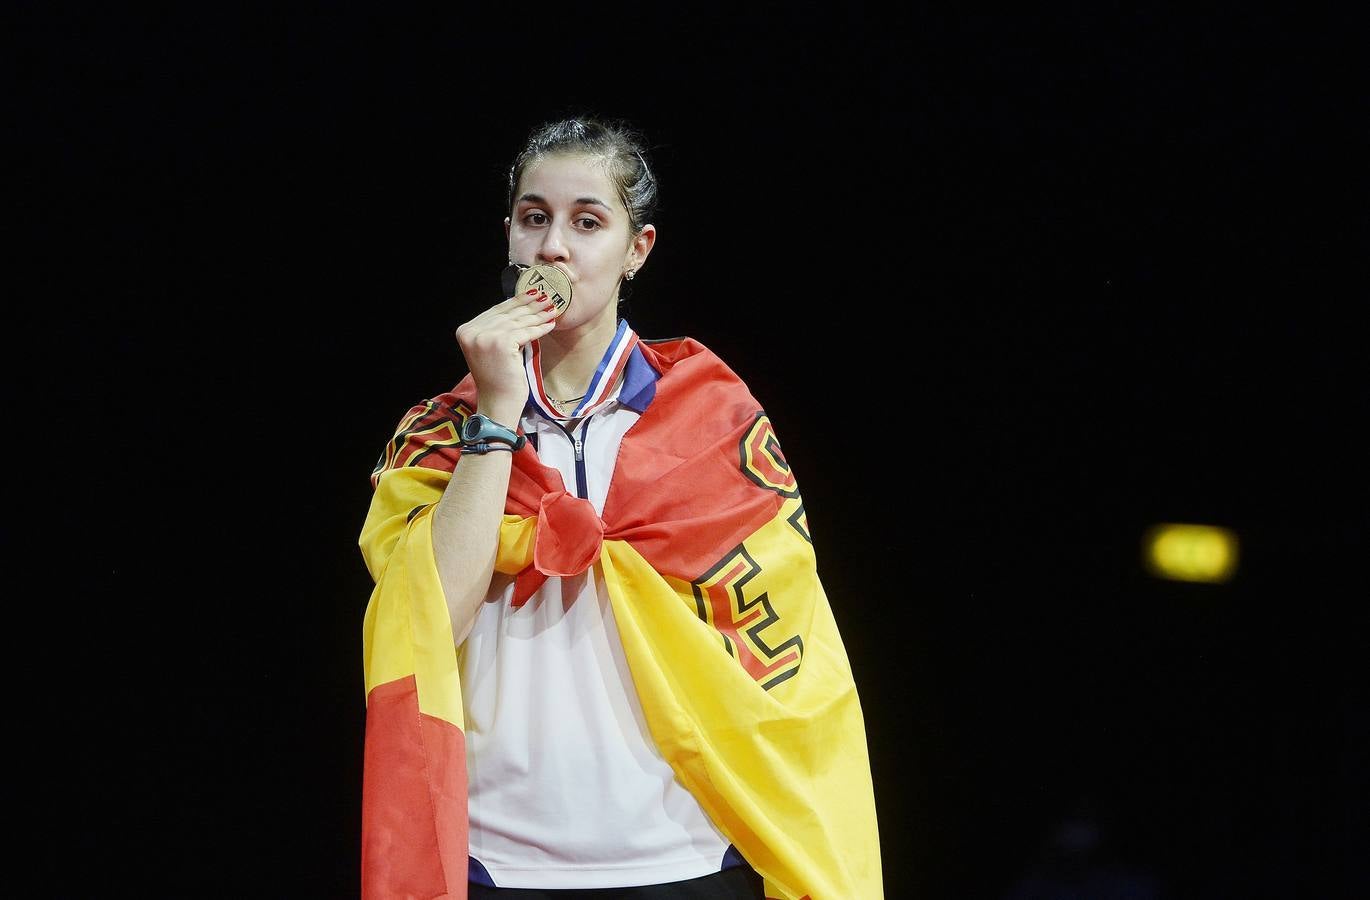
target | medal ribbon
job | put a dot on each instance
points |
(601, 385)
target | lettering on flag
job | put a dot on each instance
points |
(727, 598)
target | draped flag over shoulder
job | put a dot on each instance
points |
(735, 657)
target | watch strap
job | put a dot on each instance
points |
(482, 447)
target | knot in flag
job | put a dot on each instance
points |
(566, 541)
(569, 534)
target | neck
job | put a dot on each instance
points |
(569, 358)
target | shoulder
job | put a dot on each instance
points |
(682, 356)
(695, 384)
(451, 405)
(429, 433)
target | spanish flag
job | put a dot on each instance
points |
(735, 657)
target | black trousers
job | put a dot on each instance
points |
(735, 883)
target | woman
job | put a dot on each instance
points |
(626, 676)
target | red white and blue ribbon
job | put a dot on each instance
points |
(601, 385)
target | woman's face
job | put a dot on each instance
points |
(567, 212)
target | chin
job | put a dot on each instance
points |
(567, 322)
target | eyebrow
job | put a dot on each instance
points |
(580, 201)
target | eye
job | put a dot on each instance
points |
(588, 223)
(535, 218)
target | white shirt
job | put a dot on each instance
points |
(566, 786)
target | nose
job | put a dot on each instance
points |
(552, 248)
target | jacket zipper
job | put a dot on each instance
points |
(582, 489)
(578, 442)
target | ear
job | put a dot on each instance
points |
(641, 246)
(506, 229)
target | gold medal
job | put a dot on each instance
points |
(546, 278)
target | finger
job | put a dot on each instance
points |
(513, 302)
(532, 332)
(482, 319)
(511, 321)
(530, 297)
(533, 315)
(530, 302)
(525, 316)
(517, 326)
(532, 305)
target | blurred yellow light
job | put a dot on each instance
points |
(1191, 552)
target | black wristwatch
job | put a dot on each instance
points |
(481, 434)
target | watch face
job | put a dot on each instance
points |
(470, 428)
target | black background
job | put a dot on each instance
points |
(1012, 288)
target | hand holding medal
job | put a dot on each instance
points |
(492, 342)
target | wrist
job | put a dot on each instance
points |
(506, 414)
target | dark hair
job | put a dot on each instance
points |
(620, 146)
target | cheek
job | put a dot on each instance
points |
(591, 298)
